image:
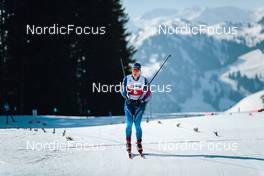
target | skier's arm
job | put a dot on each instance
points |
(123, 89)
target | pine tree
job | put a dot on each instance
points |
(102, 54)
(45, 72)
(58, 71)
(5, 62)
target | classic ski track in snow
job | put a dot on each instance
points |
(111, 159)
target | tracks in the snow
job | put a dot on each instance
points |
(161, 142)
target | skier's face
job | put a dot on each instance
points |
(135, 72)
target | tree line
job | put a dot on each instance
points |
(47, 72)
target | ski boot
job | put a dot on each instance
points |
(128, 147)
(139, 148)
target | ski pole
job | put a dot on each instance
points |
(154, 77)
(159, 69)
(122, 65)
(156, 73)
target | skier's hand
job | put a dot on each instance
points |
(139, 102)
(128, 101)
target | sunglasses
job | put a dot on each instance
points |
(135, 70)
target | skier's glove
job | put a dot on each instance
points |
(128, 101)
(139, 102)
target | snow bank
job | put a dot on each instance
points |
(251, 103)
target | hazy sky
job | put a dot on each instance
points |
(138, 7)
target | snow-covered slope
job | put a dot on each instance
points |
(222, 14)
(170, 150)
(207, 72)
(249, 64)
(187, 13)
(251, 103)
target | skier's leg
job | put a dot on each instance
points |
(138, 120)
(129, 123)
(139, 129)
(128, 144)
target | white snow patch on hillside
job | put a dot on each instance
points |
(257, 14)
(252, 63)
(249, 64)
(151, 68)
(251, 103)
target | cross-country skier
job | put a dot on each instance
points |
(7, 112)
(136, 92)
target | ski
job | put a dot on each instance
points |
(131, 155)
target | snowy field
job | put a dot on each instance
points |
(221, 144)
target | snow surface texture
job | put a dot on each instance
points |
(251, 103)
(172, 147)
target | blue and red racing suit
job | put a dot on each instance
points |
(136, 93)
